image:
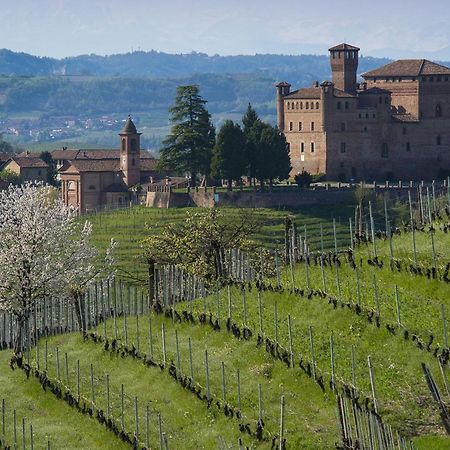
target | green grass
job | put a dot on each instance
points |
(404, 398)
(130, 226)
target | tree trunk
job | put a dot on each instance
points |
(151, 279)
(193, 179)
(18, 345)
(80, 305)
(230, 185)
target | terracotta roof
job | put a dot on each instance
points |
(343, 47)
(29, 162)
(342, 94)
(71, 154)
(283, 84)
(149, 164)
(5, 157)
(129, 127)
(304, 93)
(100, 165)
(404, 118)
(408, 68)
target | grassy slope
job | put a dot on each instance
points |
(310, 421)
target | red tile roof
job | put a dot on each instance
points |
(71, 154)
(342, 94)
(408, 68)
(29, 162)
(99, 165)
(304, 93)
(343, 47)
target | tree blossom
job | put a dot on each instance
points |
(44, 251)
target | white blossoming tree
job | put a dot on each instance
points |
(44, 251)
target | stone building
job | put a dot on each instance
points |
(395, 124)
(109, 178)
(28, 166)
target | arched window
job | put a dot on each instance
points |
(312, 147)
(438, 111)
(133, 145)
(301, 105)
(288, 105)
(306, 105)
(385, 151)
(296, 105)
(124, 145)
(317, 105)
(438, 140)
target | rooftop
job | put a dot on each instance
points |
(343, 47)
(408, 68)
(129, 127)
(29, 162)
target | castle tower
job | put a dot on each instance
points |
(283, 89)
(130, 153)
(344, 64)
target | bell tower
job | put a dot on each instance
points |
(130, 153)
(344, 64)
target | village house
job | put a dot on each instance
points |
(106, 178)
(28, 166)
(395, 124)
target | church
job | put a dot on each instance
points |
(393, 125)
(91, 179)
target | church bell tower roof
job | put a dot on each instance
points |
(129, 127)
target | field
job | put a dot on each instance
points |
(326, 318)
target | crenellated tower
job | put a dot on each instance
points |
(344, 66)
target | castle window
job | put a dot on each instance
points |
(367, 115)
(438, 140)
(288, 105)
(302, 147)
(312, 105)
(301, 105)
(343, 126)
(306, 105)
(343, 147)
(438, 111)
(317, 105)
(312, 147)
(365, 129)
(312, 126)
(374, 116)
(339, 105)
(296, 105)
(385, 151)
(133, 145)
(404, 130)
(291, 126)
(347, 106)
(123, 145)
(300, 126)
(360, 115)
(408, 146)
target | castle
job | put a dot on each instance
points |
(394, 125)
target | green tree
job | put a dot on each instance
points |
(228, 160)
(188, 147)
(252, 124)
(51, 170)
(199, 245)
(10, 177)
(273, 155)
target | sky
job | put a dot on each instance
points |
(392, 28)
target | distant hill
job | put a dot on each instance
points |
(155, 64)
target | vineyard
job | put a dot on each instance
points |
(346, 346)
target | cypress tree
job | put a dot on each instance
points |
(229, 153)
(188, 147)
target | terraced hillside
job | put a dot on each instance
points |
(215, 372)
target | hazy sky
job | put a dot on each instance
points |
(72, 27)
